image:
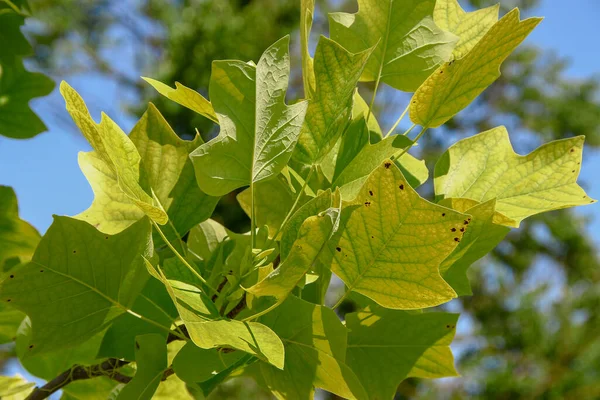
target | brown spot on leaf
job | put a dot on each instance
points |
(12, 276)
(8, 300)
(466, 222)
(443, 214)
(371, 192)
(31, 346)
(462, 229)
(367, 203)
(339, 249)
(387, 165)
(453, 229)
(74, 251)
(456, 239)
(401, 187)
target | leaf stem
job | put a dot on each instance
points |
(252, 217)
(396, 157)
(341, 300)
(183, 260)
(393, 128)
(409, 130)
(385, 40)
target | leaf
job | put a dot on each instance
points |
(469, 27)
(409, 44)
(386, 347)
(336, 74)
(114, 148)
(172, 388)
(193, 364)
(15, 387)
(78, 281)
(14, 44)
(307, 10)
(17, 88)
(205, 237)
(208, 329)
(186, 97)
(310, 241)
(480, 237)
(258, 130)
(354, 171)
(154, 304)
(166, 169)
(17, 237)
(485, 166)
(99, 388)
(151, 356)
(360, 108)
(10, 319)
(315, 346)
(457, 83)
(391, 242)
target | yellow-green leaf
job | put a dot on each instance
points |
(409, 43)
(391, 242)
(385, 347)
(17, 237)
(485, 166)
(186, 97)
(307, 10)
(469, 27)
(456, 84)
(119, 153)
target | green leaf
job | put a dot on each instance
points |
(193, 364)
(208, 329)
(14, 44)
(205, 237)
(307, 10)
(360, 108)
(153, 303)
(172, 388)
(10, 319)
(469, 27)
(117, 151)
(354, 171)
(391, 242)
(17, 88)
(186, 97)
(485, 166)
(258, 130)
(151, 356)
(99, 388)
(78, 281)
(15, 387)
(481, 236)
(336, 72)
(310, 241)
(409, 44)
(17, 237)
(386, 347)
(457, 83)
(315, 348)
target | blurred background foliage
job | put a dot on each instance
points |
(531, 329)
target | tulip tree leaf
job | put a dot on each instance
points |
(470, 27)
(410, 45)
(457, 83)
(78, 281)
(186, 97)
(208, 329)
(315, 347)
(15, 387)
(167, 171)
(17, 88)
(17, 237)
(336, 73)
(388, 346)
(151, 356)
(307, 11)
(391, 242)
(112, 146)
(188, 368)
(258, 130)
(310, 241)
(480, 237)
(485, 166)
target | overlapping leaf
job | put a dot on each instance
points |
(485, 166)
(336, 74)
(17, 238)
(315, 347)
(186, 97)
(470, 27)
(307, 10)
(117, 151)
(258, 130)
(457, 83)
(78, 281)
(386, 347)
(391, 243)
(410, 45)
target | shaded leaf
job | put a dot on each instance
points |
(193, 364)
(17, 237)
(151, 356)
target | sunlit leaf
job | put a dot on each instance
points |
(456, 84)
(15, 387)
(485, 166)
(17, 237)
(409, 44)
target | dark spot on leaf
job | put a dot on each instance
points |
(414, 102)
(401, 187)
(74, 251)
(367, 203)
(372, 237)
(462, 229)
(137, 345)
(572, 150)
(8, 300)
(447, 326)
(387, 164)
(371, 192)
(12, 276)
(105, 237)
(442, 71)
(41, 270)
(443, 214)
(339, 249)
(573, 171)
(299, 247)
(456, 239)
(31, 346)
(453, 229)
(466, 222)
